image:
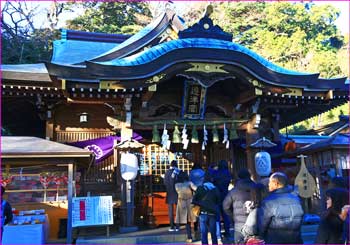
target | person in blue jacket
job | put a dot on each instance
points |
(6, 211)
(221, 179)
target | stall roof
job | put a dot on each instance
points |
(340, 141)
(27, 72)
(31, 150)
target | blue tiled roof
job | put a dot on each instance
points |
(303, 139)
(163, 48)
(340, 140)
(74, 51)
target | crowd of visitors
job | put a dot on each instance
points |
(269, 212)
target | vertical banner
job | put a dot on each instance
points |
(193, 105)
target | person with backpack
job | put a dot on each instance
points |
(171, 194)
(6, 211)
(235, 201)
(207, 196)
(250, 228)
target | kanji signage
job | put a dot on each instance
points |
(193, 106)
(90, 211)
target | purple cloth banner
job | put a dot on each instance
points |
(102, 147)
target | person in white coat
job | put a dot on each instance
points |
(184, 213)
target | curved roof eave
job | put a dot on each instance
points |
(157, 59)
(142, 38)
(64, 71)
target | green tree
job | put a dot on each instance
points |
(22, 42)
(112, 17)
(297, 36)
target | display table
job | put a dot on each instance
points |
(26, 234)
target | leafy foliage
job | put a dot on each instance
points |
(297, 36)
(318, 121)
(21, 41)
(112, 17)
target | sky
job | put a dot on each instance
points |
(342, 22)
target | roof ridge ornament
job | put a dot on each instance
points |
(205, 28)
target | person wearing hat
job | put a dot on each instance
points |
(235, 202)
(207, 196)
(196, 179)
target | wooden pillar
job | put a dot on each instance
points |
(49, 135)
(70, 203)
(252, 135)
(276, 127)
(118, 178)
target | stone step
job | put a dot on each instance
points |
(157, 236)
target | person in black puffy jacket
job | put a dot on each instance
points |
(281, 213)
(330, 230)
(221, 180)
(207, 196)
(236, 200)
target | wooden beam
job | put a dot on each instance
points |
(96, 102)
(244, 97)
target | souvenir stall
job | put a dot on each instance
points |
(40, 178)
(325, 159)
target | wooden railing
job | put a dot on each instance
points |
(78, 134)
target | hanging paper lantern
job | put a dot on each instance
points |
(225, 140)
(155, 137)
(128, 166)
(233, 132)
(194, 138)
(205, 138)
(176, 135)
(290, 146)
(184, 138)
(215, 134)
(263, 163)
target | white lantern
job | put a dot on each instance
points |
(128, 166)
(263, 163)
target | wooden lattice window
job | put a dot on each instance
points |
(155, 160)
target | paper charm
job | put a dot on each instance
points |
(205, 138)
(226, 140)
(165, 139)
(184, 136)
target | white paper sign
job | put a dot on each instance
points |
(90, 211)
